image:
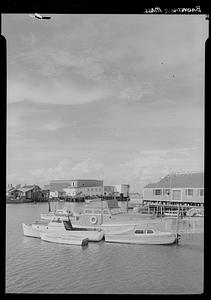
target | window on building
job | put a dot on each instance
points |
(201, 192)
(157, 192)
(166, 192)
(189, 192)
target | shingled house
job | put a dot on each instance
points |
(183, 188)
(27, 193)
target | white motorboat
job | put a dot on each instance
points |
(63, 213)
(58, 226)
(142, 236)
(70, 240)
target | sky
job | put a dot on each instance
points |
(118, 98)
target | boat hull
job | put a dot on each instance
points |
(91, 235)
(34, 230)
(154, 239)
(71, 240)
(115, 226)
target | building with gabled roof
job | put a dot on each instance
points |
(185, 188)
(76, 188)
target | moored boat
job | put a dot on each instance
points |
(70, 240)
(142, 236)
(109, 217)
(61, 227)
(195, 212)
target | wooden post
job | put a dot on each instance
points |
(49, 206)
(127, 205)
(177, 225)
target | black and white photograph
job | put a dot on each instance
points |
(105, 117)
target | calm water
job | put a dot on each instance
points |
(35, 266)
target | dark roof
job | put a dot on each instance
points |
(180, 180)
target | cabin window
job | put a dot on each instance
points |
(140, 231)
(157, 192)
(166, 192)
(201, 192)
(105, 212)
(150, 231)
(189, 192)
(98, 211)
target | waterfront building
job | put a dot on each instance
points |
(26, 193)
(119, 191)
(76, 188)
(122, 190)
(109, 190)
(177, 188)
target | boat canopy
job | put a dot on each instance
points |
(103, 207)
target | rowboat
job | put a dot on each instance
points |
(71, 240)
(58, 226)
(142, 236)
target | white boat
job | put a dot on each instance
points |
(142, 236)
(58, 226)
(195, 212)
(109, 217)
(63, 213)
(71, 240)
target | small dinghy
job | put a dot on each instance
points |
(59, 239)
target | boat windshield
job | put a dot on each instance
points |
(68, 225)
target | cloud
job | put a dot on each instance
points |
(148, 165)
(65, 169)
